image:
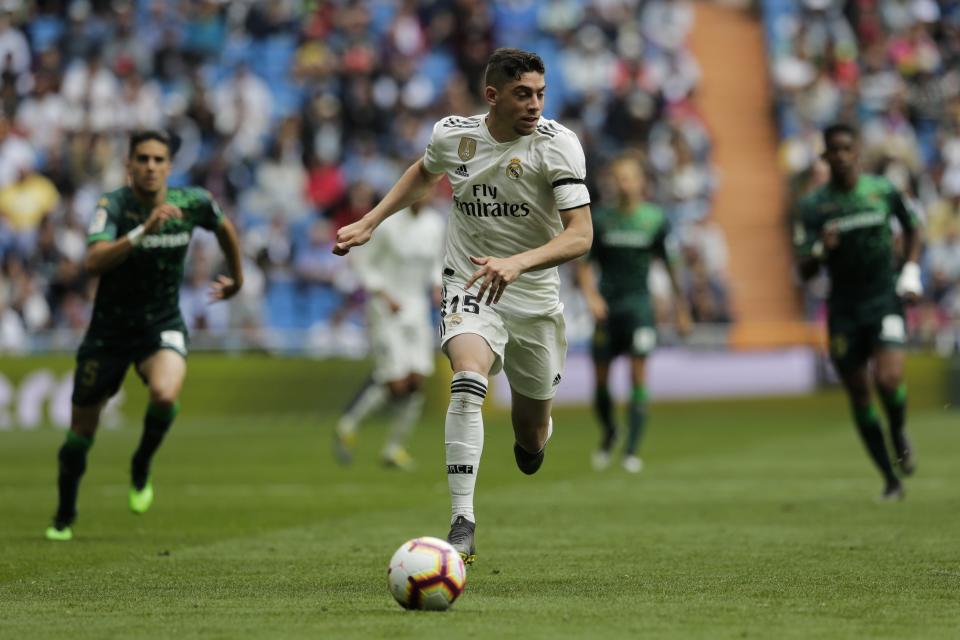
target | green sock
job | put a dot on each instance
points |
(895, 406)
(603, 405)
(73, 462)
(156, 423)
(637, 412)
(868, 425)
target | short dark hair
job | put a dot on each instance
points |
(839, 128)
(164, 138)
(505, 65)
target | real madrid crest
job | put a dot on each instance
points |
(467, 148)
(514, 169)
(454, 319)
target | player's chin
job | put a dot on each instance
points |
(525, 127)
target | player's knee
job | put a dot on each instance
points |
(414, 383)
(469, 363)
(887, 381)
(397, 388)
(84, 420)
(164, 396)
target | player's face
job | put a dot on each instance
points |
(629, 180)
(841, 153)
(519, 102)
(149, 166)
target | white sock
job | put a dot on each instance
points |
(463, 439)
(406, 411)
(370, 399)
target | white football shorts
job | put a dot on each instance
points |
(531, 350)
(400, 345)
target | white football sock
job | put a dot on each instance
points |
(406, 411)
(370, 399)
(463, 440)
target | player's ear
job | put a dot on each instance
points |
(490, 94)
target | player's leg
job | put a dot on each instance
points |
(415, 354)
(163, 372)
(472, 360)
(888, 377)
(532, 428)
(72, 463)
(370, 398)
(534, 359)
(406, 405)
(857, 385)
(636, 413)
(603, 407)
(97, 377)
(385, 340)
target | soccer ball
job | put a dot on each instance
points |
(426, 573)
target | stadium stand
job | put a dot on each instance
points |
(297, 120)
(890, 66)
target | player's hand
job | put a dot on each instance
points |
(159, 215)
(224, 288)
(353, 235)
(909, 283)
(830, 237)
(495, 274)
(598, 308)
(684, 324)
(392, 303)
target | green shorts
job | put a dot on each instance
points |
(102, 363)
(624, 332)
(854, 337)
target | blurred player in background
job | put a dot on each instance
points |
(845, 225)
(626, 237)
(398, 268)
(137, 243)
(520, 209)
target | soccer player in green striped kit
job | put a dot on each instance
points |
(626, 237)
(846, 227)
(137, 243)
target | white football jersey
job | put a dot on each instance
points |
(403, 258)
(506, 200)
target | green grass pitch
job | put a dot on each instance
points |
(753, 519)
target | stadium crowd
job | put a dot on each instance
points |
(297, 117)
(893, 67)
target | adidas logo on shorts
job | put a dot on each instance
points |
(556, 380)
(462, 171)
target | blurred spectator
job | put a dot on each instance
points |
(904, 93)
(298, 117)
(242, 106)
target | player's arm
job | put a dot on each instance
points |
(586, 279)
(225, 287)
(808, 245)
(415, 183)
(572, 242)
(104, 255)
(682, 316)
(909, 284)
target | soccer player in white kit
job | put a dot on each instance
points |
(398, 269)
(520, 209)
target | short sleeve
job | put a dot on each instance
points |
(661, 247)
(806, 230)
(103, 225)
(901, 209)
(209, 214)
(433, 157)
(566, 169)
